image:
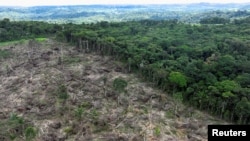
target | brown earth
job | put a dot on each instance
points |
(30, 83)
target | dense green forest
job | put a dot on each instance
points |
(204, 65)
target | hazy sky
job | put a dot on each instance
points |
(82, 2)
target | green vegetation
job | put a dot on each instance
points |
(7, 43)
(157, 131)
(30, 133)
(214, 20)
(41, 39)
(21, 41)
(120, 84)
(79, 113)
(15, 127)
(177, 79)
(206, 66)
(62, 93)
(10, 31)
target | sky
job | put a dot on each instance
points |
(88, 2)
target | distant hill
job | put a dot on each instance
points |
(191, 13)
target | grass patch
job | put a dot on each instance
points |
(30, 133)
(41, 39)
(157, 131)
(8, 43)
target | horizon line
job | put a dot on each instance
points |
(219, 3)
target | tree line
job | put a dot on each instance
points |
(16, 30)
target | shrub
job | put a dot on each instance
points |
(120, 84)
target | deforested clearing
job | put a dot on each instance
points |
(51, 91)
